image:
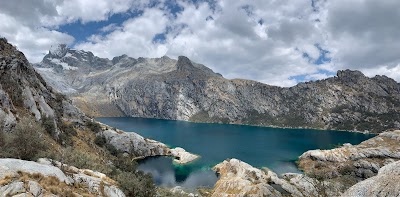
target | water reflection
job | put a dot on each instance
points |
(165, 173)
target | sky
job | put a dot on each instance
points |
(278, 42)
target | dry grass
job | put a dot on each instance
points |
(6, 180)
(52, 184)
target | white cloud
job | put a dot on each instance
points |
(34, 42)
(134, 38)
(260, 40)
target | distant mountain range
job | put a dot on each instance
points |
(183, 90)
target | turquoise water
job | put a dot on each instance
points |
(275, 148)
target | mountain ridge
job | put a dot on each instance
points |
(183, 90)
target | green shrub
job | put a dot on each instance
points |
(136, 184)
(111, 148)
(125, 163)
(25, 140)
(67, 128)
(100, 140)
(93, 126)
(48, 125)
(2, 140)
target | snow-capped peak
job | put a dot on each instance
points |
(58, 50)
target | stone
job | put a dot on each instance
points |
(15, 165)
(182, 156)
(12, 188)
(35, 189)
(385, 183)
(130, 142)
(240, 179)
(90, 181)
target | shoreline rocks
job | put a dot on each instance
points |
(133, 143)
(366, 169)
(182, 156)
(359, 161)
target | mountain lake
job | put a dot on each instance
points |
(274, 148)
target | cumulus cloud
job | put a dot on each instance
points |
(267, 41)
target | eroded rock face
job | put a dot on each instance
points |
(385, 183)
(240, 179)
(23, 90)
(359, 161)
(181, 89)
(132, 143)
(39, 179)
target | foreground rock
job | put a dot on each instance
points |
(368, 169)
(386, 183)
(356, 162)
(238, 178)
(47, 178)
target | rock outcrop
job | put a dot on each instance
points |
(386, 183)
(132, 143)
(51, 178)
(141, 147)
(358, 161)
(240, 179)
(181, 89)
(182, 156)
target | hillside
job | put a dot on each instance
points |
(183, 90)
(37, 122)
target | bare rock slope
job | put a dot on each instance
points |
(183, 90)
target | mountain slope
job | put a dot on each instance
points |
(183, 90)
(37, 121)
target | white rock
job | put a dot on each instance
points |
(386, 183)
(15, 165)
(12, 189)
(182, 156)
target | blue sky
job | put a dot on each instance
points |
(275, 42)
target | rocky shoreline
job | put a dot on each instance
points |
(360, 170)
(134, 144)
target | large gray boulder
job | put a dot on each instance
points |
(32, 178)
(385, 183)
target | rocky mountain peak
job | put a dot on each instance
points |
(184, 64)
(116, 59)
(58, 50)
(350, 74)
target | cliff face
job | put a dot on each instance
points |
(180, 89)
(183, 90)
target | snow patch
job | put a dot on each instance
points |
(58, 50)
(70, 55)
(63, 64)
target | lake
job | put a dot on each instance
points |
(275, 148)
